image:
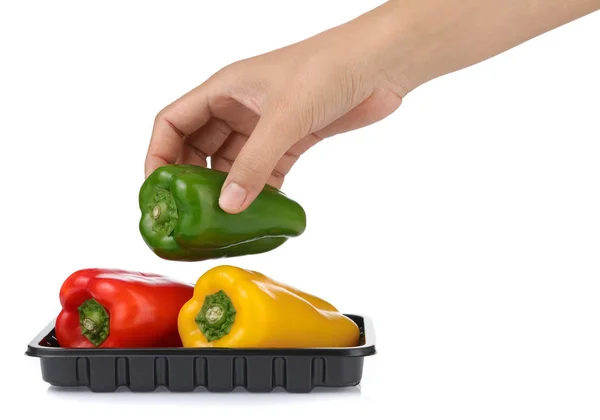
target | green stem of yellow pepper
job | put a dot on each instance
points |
(216, 317)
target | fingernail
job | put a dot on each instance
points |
(232, 197)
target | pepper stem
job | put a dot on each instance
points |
(163, 211)
(156, 211)
(216, 317)
(94, 321)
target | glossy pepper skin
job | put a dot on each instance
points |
(237, 308)
(181, 219)
(110, 308)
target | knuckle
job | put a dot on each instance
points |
(222, 128)
(257, 163)
(225, 72)
(161, 115)
(260, 158)
(231, 73)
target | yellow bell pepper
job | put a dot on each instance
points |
(237, 308)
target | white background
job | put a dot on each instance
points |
(467, 224)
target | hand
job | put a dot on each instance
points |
(256, 117)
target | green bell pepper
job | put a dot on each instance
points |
(182, 220)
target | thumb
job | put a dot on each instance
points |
(253, 166)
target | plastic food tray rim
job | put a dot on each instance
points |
(366, 348)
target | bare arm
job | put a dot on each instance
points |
(435, 37)
(256, 117)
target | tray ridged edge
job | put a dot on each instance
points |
(367, 348)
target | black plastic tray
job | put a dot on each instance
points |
(217, 370)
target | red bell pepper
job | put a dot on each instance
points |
(118, 308)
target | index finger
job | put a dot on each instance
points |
(173, 124)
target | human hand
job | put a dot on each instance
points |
(254, 118)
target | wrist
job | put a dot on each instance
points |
(393, 46)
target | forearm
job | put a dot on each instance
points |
(429, 38)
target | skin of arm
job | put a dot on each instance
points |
(439, 37)
(254, 118)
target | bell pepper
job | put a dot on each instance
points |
(237, 308)
(118, 308)
(181, 218)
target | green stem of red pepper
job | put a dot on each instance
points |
(94, 321)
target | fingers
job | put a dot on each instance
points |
(220, 164)
(174, 123)
(276, 143)
(257, 159)
(223, 159)
(205, 142)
